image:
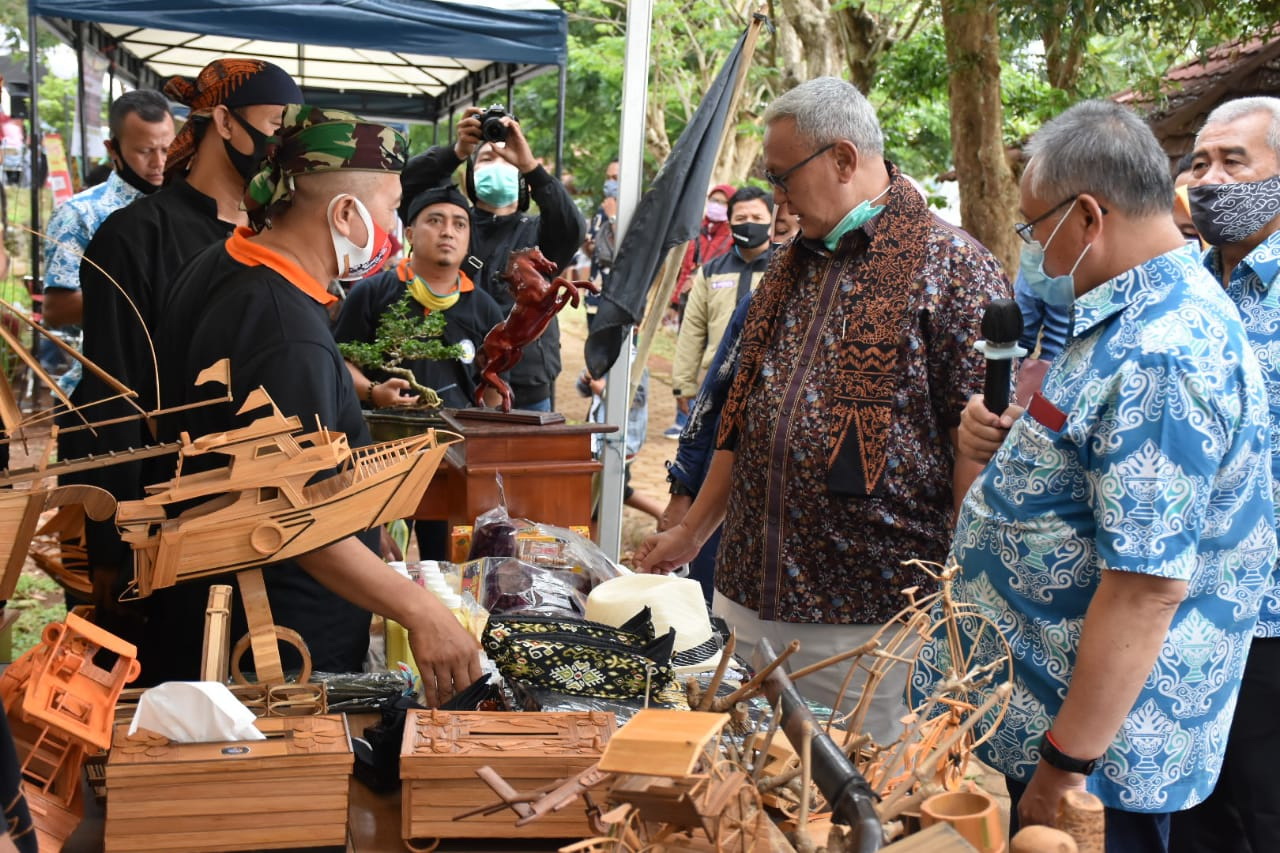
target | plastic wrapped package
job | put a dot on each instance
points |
(494, 533)
(361, 691)
(509, 585)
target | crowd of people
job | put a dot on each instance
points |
(1117, 521)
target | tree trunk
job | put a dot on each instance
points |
(804, 44)
(988, 193)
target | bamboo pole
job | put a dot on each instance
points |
(664, 284)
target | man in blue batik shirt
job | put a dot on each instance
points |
(1123, 534)
(141, 131)
(1234, 195)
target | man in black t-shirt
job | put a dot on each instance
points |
(258, 300)
(438, 230)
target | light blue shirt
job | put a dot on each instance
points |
(1255, 289)
(70, 229)
(1161, 467)
(1042, 323)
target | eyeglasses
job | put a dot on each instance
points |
(1024, 228)
(780, 181)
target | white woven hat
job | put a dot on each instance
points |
(674, 602)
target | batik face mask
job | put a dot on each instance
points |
(1231, 213)
(357, 262)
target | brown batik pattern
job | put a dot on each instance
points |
(844, 463)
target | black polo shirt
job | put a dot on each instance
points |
(140, 248)
(466, 321)
(275, 334)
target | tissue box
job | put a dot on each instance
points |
(441, 751)
(289, 790)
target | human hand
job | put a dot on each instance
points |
(682, 403)
(981, 432)
(516, 149)
(662, 553)
(677, 509)
(469, 137)
(447, 656)
(392, 392)
(1039, 803)
(387, 545)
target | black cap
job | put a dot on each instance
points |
(447, 194)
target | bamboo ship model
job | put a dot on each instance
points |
(260, 507)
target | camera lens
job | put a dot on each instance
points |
(493, 130)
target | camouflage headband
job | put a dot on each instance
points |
(315, 140)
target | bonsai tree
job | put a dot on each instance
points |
(404, 334)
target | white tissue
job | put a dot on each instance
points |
(194, 712)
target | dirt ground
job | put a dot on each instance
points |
(648, 470)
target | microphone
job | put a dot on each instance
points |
(1001, 328)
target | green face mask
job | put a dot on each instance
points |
(856, 218)
(498, 185)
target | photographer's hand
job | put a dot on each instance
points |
(468, 133)
(516, 151)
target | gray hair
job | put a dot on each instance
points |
(1101, 148)
(1241, 107)
(828, 109)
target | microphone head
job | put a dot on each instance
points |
(1002, 322)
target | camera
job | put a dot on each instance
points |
(491, 127)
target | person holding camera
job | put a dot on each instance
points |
(502, 175)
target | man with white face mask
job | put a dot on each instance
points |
(319, 209)
(1127, 516)
(500, 180)
(1234, 200)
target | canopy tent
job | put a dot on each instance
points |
(399, 60)
(413, 60)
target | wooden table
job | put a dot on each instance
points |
(546, 472)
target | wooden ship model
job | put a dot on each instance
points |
(27, 494)
(260, 507)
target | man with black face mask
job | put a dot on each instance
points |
(137, 253)
(1234, 196)
(141, 131)
(719, 286)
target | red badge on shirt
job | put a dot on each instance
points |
(1046, 413)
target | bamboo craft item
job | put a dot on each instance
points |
(215, 657)
(60, 705)
(442, 752)
(261, 507)
(289, 790)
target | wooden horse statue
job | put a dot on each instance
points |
(538, 300)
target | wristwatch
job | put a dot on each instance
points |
(1055, 757)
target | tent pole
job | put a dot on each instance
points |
(34, 141)
(635, 83)
(561, 88)
(84, 127)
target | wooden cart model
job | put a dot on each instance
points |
(668, 785)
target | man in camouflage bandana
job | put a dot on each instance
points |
(312, 140)
(330, 184)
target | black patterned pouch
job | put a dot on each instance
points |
(586, 666)
(635, 632)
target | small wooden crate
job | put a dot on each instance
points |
(442, 750)
(289, 790)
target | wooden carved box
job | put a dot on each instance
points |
(289, 790)
(442, 750)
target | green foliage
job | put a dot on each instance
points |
(40, 600)
(403, 335)
(58, 106)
